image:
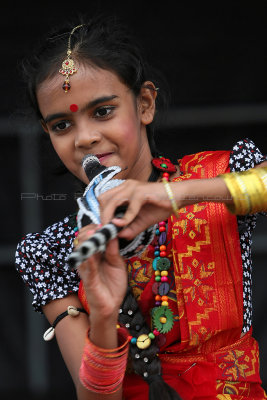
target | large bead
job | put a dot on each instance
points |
(154, 263)
(162, 263)
(155, 287)
(164, 288)
(66, 86)
(162, 238)
(143, 341)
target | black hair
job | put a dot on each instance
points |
(105, 43)
(102, 42)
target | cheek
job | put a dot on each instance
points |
(129, 131)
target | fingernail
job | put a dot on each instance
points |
(114, 220)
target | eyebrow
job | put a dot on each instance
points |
(89, 105)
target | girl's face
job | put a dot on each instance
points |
(101, 116)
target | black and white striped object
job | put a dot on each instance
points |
(100, 178)
(96, 243)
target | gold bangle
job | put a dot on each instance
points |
(262, 172)
(248, 190)
(254, 189)
(241, 200)
(171, 197)
(258, 180)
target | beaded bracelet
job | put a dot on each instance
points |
(102, 370)
(248, 190)
(170, 195)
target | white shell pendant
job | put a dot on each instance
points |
(49, 334)
(73, 311)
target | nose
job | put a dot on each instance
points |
(86, 137)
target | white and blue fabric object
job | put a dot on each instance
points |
(101, 180)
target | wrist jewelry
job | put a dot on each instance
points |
(170, 195)
(102, 370)
(248, 190)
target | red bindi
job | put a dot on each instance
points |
(73, 107)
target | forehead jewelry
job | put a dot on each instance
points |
(68, 67)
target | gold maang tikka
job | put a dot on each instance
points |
(68, 67)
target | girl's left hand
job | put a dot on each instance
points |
(147, 204)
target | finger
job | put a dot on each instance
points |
(108, 210)
(88, 270)
(127, 233)
(83, 236)
(112, 252)
(130, 214)
(131, 231)
(87, 228)
(114, 198)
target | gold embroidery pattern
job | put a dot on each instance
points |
(140, 272)
(244, 390)
(233, 365)
(195, 289)
(195, 281)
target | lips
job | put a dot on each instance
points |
(102, 156)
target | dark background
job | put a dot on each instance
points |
(213, 55)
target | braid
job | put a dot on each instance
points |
(145, 362)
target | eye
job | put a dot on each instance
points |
(61, 126)
(103, 111)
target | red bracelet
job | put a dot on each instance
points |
(102, 370)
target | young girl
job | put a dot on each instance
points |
(181, 308)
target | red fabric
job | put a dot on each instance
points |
(192, 384)
(203, 356)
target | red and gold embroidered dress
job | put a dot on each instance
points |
(205, 355)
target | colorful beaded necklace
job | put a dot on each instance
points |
(162, 316)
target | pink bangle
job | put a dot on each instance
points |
(102, 370)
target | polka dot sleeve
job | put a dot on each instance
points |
(41, 260)
(246, 155)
